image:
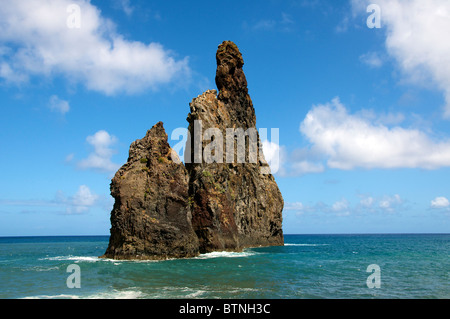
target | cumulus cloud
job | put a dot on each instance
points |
(416, 33)
(82, 200)
(386, 203)
(100, 158)
(43, 38)
(349, 141)
(440, 202)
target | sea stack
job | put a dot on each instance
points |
(223, 198)
(237, 203)
(151, 217)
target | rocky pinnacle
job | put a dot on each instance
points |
(222, 198)
(235, 205)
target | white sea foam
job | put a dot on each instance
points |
(311, 245)
(93, 259)
(196, 294)
(225, 254)
(61, 296)
(118, 294)
(73, 258)
(178, 292)
(114, 294)
(40, 268)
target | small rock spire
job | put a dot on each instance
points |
(230, 78)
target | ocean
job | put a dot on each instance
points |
(375, 266)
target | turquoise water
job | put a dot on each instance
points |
(308, 266)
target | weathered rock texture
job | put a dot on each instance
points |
(223, 199)
(235, 204)
(151, 217)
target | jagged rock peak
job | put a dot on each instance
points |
(139, 147)
(151, 217)
(236, 205)
(230, 77)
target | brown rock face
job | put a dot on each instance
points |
(224, 198)
(237, 202)
(151, 217)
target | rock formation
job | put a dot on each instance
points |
(235, 204)
(223, 198)
(151, 217)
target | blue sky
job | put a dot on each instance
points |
(363, 113)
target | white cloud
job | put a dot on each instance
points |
(84, 197)
(11, 75)
(416, 36)
(340, 208)
(384, 205)
(349, 140)
(58, 105)
(296, 206)
(82, 200)
(271, 151)
(306, 167)
(440, 202)
(100, 158)
(41, 43)
(341, 205)
(274, 155)
(367, 202)
(390, 203)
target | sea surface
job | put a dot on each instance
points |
(410, 266)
